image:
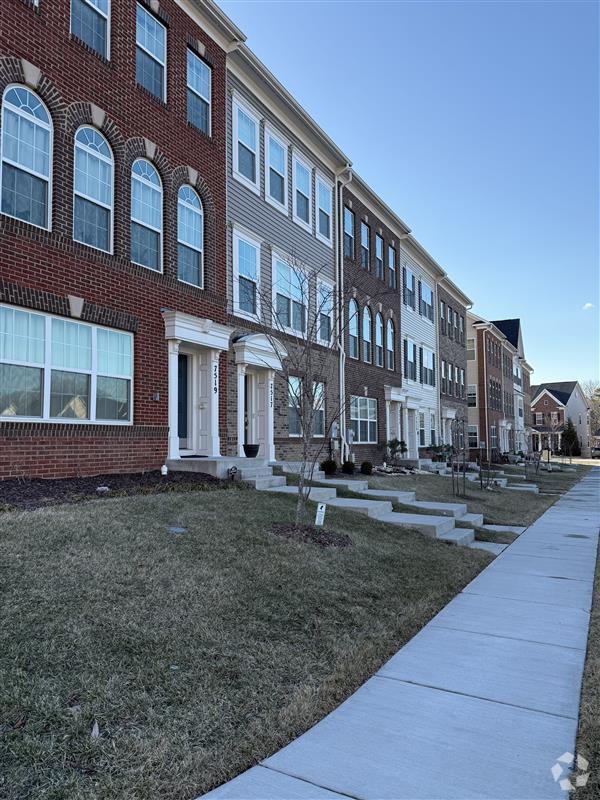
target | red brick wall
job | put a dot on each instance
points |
(40, 268)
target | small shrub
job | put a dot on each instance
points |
(348, 467)
(366, 468)
(329, 466)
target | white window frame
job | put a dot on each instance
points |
(352, 304)
(379, 241)
(390, 351)
(297, 159)
(147, 11)
(110, 208)
(428, 372)
(349, 215)
(472, 394)
(366, 312)
(316, 409)
(46, 368)
(379, 327)
(370, 402)
(320, 179)
(145, 224)
(255, 242)
(331, 294)
(270, 134)
(100, 13)
(236, 106)
(207, 100)
(186, 244)
(49, 126)
(392, 270)
(277, 256)
(405, 291)
(289, 405)
(411, 348)
(473, 430)
(426, 306)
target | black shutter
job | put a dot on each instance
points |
(405, 358)
(433, 373)
(404, 285)
(420, 300)
(421, 363)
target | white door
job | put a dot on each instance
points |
(260, 417)
(203, 401)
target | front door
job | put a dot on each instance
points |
(183, 404)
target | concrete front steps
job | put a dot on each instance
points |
(523, 487)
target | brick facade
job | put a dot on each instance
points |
(452, 351)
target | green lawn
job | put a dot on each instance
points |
(196, 654)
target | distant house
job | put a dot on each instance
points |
(552, 405)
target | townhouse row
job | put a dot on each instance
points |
(176, 232)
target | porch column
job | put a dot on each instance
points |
(405, 435)
(173, 397)
(269, 416)
(241, 407)
(214, 442)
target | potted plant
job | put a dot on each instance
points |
(251, 450)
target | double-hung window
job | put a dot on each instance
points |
(324, 208)
(353, 329)
(539, 418)
(461, 328)
(90, 24)
(428, 367)
(146, 215)
(442, 316)
(409, 288)
(390, 343)
(291, 296)
(276, 154)
(426, 309)
(151, 53)
(379, 256)
(462, 383)
(199, 89)
(472, 395)
(410, 360)
(294, 406)
(366, 336)
(245, 146)
(470, 349)
(93, 190)
(363, 419)
(421, 430)
(379, 340)
(443, 387)
(324, 313)
(246, 266)
(365, 246)
(450, 378)
(473, 434)
(318, 409)
(302, 179)
(450, 317)
(53, 368)
(432, 429)
(26, 162)
(392, 272)
(190, 236)
(348, 232)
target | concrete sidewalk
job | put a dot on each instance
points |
(480, 703)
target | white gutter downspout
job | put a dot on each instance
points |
(339, 185)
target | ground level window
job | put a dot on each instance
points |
(294, 400)
(55, 368)
(473, 437)
(363, 419)
(432, 430)
(421, 429)
(319, 409)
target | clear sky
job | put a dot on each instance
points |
(477, 122)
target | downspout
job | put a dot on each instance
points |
(341, 181)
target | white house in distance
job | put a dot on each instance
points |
(552, 405)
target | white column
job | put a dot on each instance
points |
(241, 407)
(173, 397)
(269, 415)
(405, 434)
(214, 442)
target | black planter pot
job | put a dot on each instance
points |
(251, 450)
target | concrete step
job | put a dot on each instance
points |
(267, 482)
(501, 482)
(246, 473)
(445, 509)
(472, 519)
(490, 547)
(345, 483)
(523, 487)
(373, 508)
(294, 467)
(317, 494)
(429, 525)
(459, 536)
(389, 494)
(504, 529)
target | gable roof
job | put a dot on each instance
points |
(562, 390)
(510, 328)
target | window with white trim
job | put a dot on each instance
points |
(379, 256)
(539, 418)
(390, 344)
(392, 272)
(318, 409)
(462, 382)
(444, 386)
(294, 402)
(246, 275)
(353, 328)
(426, 301)
(421, 428)
(472, 395)
(324, 206)
(450, 378)
(409, 288)
(470, 349)
(190, 237)
(432, 428)
(26, 162)
(90, 24)
(151, 53)
(348, 233)
(199, 92)
(366, 335)
(93, 190)
(428, 367)
(410, 360)
(275, 170)
(291, 296)
(473, 434)
(442, 316)
(494, 437)
(302, 180)
(146, 215)
(363, 419)
(379, 340)
(245, 146)
(52, 368)
(365, 246)
(324, 312)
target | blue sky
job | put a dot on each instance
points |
(478, 123)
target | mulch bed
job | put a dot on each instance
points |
(309, 533)
(25, 494)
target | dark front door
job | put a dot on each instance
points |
(182, 400)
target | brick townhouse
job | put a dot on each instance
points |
(112, 231)
(485, 379)
(516, 388)
(452, 326)
(553, 405)
(372, 356)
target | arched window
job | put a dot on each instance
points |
(93, 190)
(367, 355)
(353, 328)
(190, 236)
(146, 215)
(26, 157)
(390, 343)
(379, 340)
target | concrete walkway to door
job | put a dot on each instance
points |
(479, 704)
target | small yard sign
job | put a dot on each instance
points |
(320, 518)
